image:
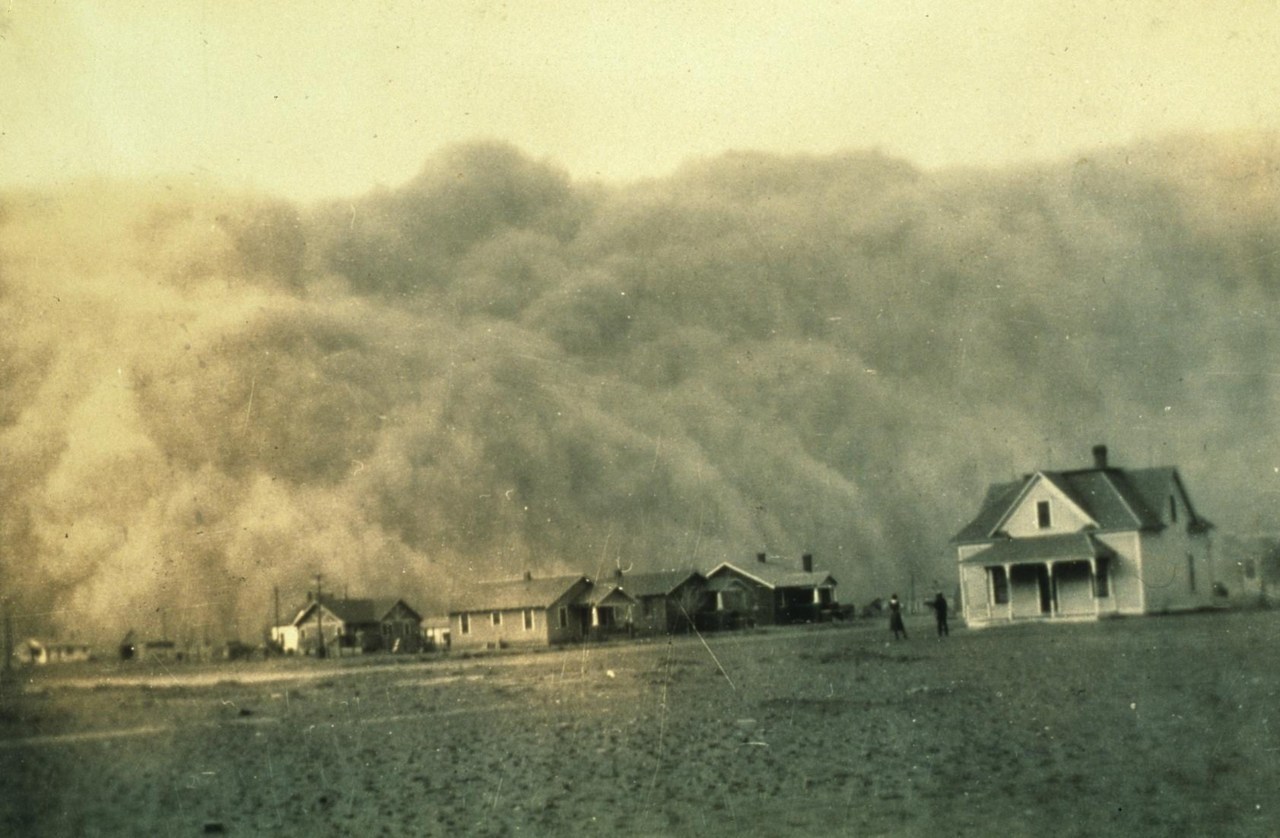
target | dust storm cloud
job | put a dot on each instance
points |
(493, 367)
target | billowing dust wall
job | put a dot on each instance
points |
(208, 395)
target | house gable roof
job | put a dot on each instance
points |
(349, 611)
(1114, 499)
(1058, 485)
(605, 595)
(385, 607)
(508, 594)
(773, 575)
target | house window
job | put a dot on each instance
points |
(1043, 515)
(528, 619)
(1191, 572)
(562, 617)
(646, 606)
(1250, 569)
(496, 618)
(465, 620)
(999, 586)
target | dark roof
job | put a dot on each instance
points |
(354, 611)
(350, 611)
(999, 497)
(1116, 499)
(515, 593)
(384, 607)
(1041, 548)
(658, 583)
(775, 575)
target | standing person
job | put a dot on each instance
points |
(895, 618)
(940, 614)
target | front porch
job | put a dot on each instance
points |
(606, 611)
(1060, 578)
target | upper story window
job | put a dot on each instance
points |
(1043, 515)
(1173, 509)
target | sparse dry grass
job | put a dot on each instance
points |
(1134, 727)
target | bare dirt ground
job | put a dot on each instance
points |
(1158, 726)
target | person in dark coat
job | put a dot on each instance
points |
(896, 625)
(940, 614)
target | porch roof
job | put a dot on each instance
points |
(605, 596)
(1044, 548)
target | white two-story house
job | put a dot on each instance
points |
(1083, 544)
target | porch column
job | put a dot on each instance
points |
(1053, 589)
(595, 616)
(1008, 587)
(1093, 585)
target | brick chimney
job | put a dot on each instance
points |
(806, 562)
(528, 576)
(1099, 456)
(761, 557)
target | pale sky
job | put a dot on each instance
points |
(312, 98)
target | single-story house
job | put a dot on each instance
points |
(667, 601)
(770, 591)
(352, 626)
(521, 612)
(36, 652)
(1082, 544)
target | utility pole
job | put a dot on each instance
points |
(320, 652)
